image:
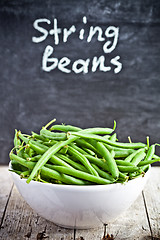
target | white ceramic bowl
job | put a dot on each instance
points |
(80, 206)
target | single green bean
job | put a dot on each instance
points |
(123, 153)
(110, 147)
(123, 163)
(65, 128)
(52, 135)
(138, 157)
(112, 166)
(97, 130)
(101, 139)
(110, 161)
(128, 168)
(150, 153)
(81, 175)
(147, 162)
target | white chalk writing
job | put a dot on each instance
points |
(107, 37)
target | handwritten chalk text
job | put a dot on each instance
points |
(108, 38)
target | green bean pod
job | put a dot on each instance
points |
(110, 147)
(97, 130)
(116, 144)
(81, 175)
(65, 128)
(128, 169)
(52, 135)
(138, 157)
(150, 153)
(123, 153)
(112, 166)
(123, 163)
(148, 162)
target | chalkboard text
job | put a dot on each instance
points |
(109, 38)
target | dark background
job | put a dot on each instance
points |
(30, 97)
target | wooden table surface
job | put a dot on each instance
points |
(19, 221)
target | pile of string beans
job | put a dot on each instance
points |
(65, 154)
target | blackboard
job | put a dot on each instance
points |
(31, 96)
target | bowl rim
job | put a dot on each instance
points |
(82, 187)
